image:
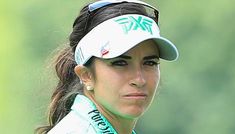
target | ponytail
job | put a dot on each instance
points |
(67, 87)
(69, 84)
(66, 90)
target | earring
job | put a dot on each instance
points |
(89, 88)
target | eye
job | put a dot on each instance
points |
(119, 63)
(151, 63)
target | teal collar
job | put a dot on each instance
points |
(87, 109)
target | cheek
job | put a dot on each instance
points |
(153, 81)
(107, 93)
(107, 86)
(154, 77)
(108, 80)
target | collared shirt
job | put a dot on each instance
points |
(84, 118)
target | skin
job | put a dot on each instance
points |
(124, 87)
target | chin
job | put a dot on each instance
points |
(133, 113)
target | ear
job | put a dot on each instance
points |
(84, 74)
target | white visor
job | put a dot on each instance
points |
(116, 36)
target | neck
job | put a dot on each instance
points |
(121, 124)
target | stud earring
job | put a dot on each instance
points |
(89, 88)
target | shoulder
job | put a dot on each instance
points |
(73, 124)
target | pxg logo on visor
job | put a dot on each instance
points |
(132, 23)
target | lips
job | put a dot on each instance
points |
(136, 95)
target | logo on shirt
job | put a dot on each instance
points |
(100, 122)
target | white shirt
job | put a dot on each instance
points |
(84, 118)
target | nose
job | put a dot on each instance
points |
(138, 80)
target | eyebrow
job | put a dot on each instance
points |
(124, 57)
(145, 58)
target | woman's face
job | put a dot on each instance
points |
(126, 85)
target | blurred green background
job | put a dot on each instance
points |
(197, 93)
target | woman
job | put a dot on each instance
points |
(109, 74)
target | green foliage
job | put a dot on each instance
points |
(196, 93)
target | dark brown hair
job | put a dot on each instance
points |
(69, 84)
